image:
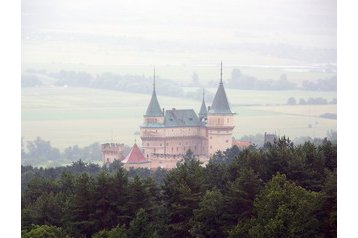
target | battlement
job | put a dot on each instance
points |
(112, 152)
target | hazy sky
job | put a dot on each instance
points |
(98, 32)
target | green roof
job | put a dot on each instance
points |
(203, 109)
(183, 117)
(153, 109)
(220, 104)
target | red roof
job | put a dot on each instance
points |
(241, 144)
(135, 156)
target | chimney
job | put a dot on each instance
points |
(163, 110)
(208, 108)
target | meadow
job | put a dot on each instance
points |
(79, 116)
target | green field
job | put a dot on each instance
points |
(78, 116)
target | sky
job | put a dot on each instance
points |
(153, 32)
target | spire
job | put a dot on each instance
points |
(203, 111)
(221, 73)
(153, 109)
(220, 103)
(154, 80)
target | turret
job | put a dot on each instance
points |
(220, 121)
(203, 111)
(154, 114)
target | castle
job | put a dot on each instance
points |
(168, 134)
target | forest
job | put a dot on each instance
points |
(277, 190)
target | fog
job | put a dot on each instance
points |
(66, 33)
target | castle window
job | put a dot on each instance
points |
(172, 149)
(227, 141)
(211, 147)
(177, 149)
(156, 130)
(166, 144)
(160, 144)
(218, 120)
(154, 150)
(147, 144)
(211, 137)
(227, 120)
(147, 155)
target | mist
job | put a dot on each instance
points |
(140, 33)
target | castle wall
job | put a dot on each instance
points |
(112, 152)
(220, 128)
(165, 142)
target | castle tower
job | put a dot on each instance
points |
(220, 121)
(203, 113)
(152, 131)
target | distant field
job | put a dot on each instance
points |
(70, 116)
(206, 72)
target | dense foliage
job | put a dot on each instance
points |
(278, 190)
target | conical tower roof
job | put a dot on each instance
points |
(220, 104)
(203, 110)
(153, 109)
(135, 156)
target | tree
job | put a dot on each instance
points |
(80, 217)
(138, 196)
(284, 209)
(48, 209)
(104, 204)
(208, 220)
(240, 196)
(291, 101)
(329, 151)
(120, 195)
(141, 226)
(182, 190)
(328, 208)
(44, 231)
(116, 232)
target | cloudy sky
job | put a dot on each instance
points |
(153, 32)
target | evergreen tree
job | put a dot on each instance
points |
(284, 209)
(208, 218)
(103, 202)
(240, 196)
(80, 219)
(182, 190)
(44, 231)
(141, 226)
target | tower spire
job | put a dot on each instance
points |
(154, 80)
(221, 73)
(203, 111)
(153, 109)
